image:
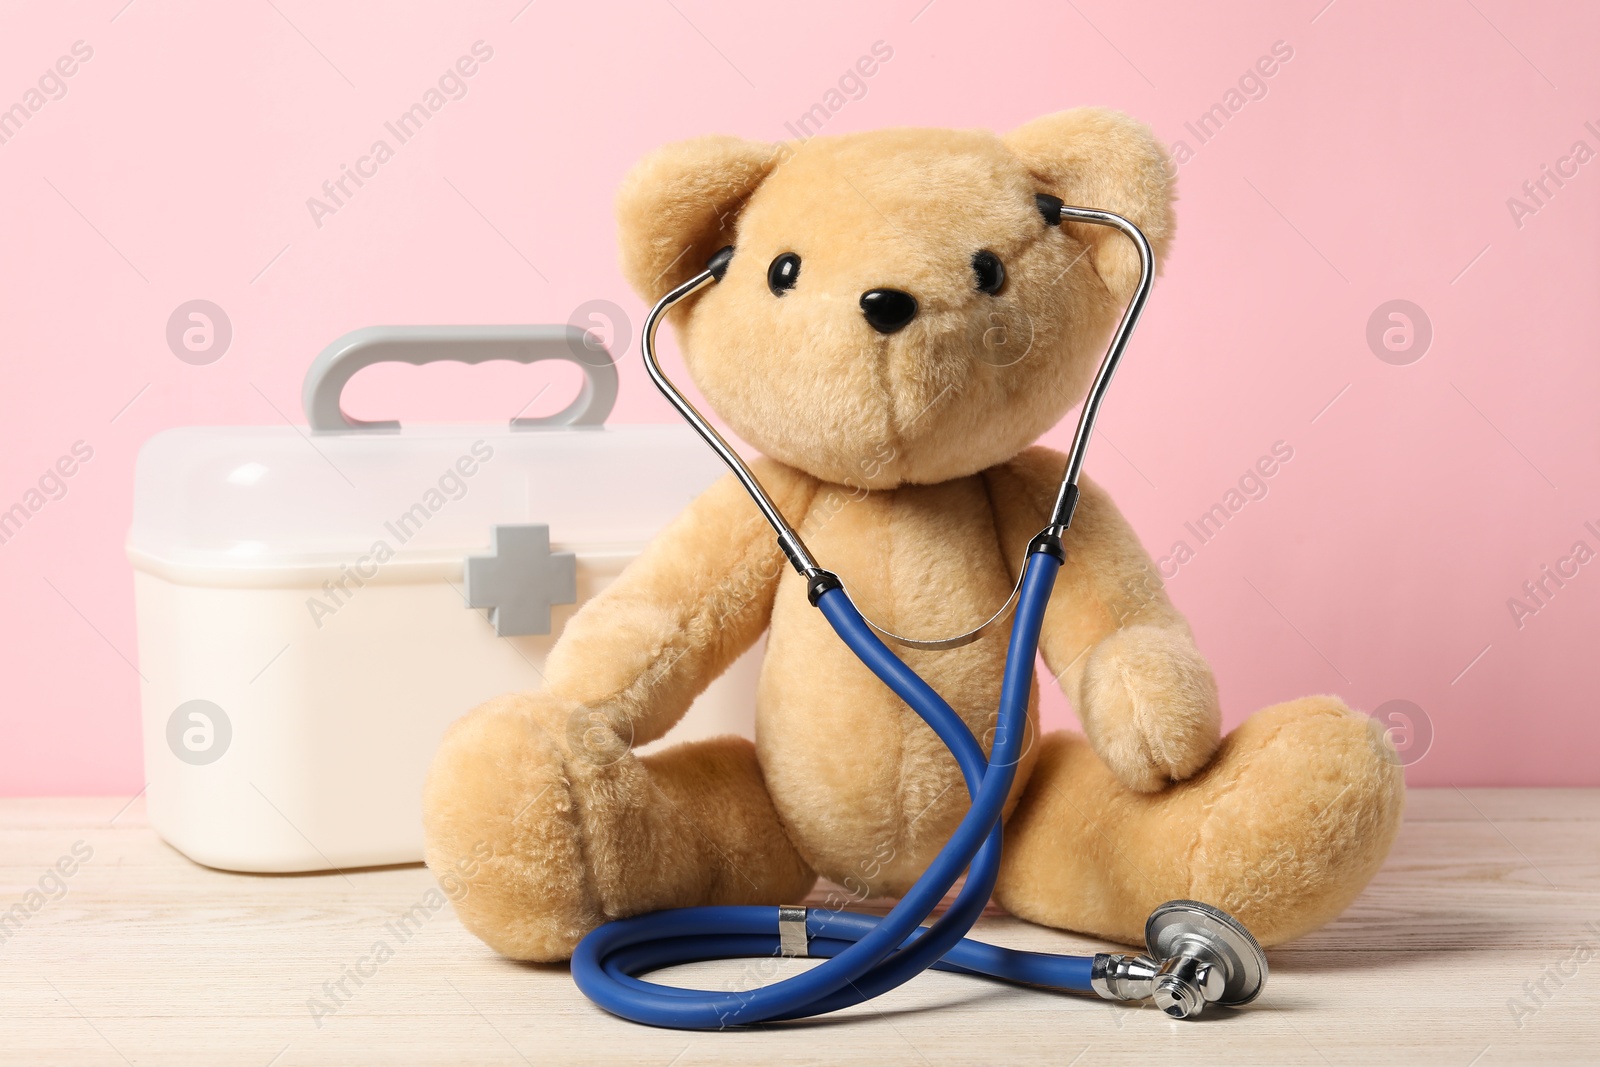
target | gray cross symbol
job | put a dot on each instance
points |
(520, 579)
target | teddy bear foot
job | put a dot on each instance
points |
(541, 824)
(1285, 826)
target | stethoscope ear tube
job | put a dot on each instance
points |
(817, 578)
(1067, 498)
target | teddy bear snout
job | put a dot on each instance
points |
(888, 309)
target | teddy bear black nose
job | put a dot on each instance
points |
(888, 309)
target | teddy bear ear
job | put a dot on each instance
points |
(1097, 158)
(680, 204)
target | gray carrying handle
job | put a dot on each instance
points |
(417, 345)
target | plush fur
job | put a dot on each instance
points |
(905, 462)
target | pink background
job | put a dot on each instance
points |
(1377, 167)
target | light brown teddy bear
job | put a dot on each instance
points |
(898, 325)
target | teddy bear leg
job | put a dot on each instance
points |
(539, 834)
(1285, 826)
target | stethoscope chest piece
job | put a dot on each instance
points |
(1197, 955)
(1183, 930)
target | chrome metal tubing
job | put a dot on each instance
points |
(1066, 499)
(792, 545)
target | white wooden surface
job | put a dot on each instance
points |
(148, 958)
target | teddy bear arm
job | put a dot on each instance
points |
(696, 599)
(1123, 654)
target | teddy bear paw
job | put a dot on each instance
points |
(1149, 707)
(502, 832)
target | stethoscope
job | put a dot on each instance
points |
(1197, 954)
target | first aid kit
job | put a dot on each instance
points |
(315, 605)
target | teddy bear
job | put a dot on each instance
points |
(899, 323)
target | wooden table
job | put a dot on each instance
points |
(141, 956)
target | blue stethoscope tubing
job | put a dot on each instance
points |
(868, 955)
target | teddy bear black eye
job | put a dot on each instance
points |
(783, 273)
(989, 271)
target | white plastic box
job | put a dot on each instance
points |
(302, 596)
